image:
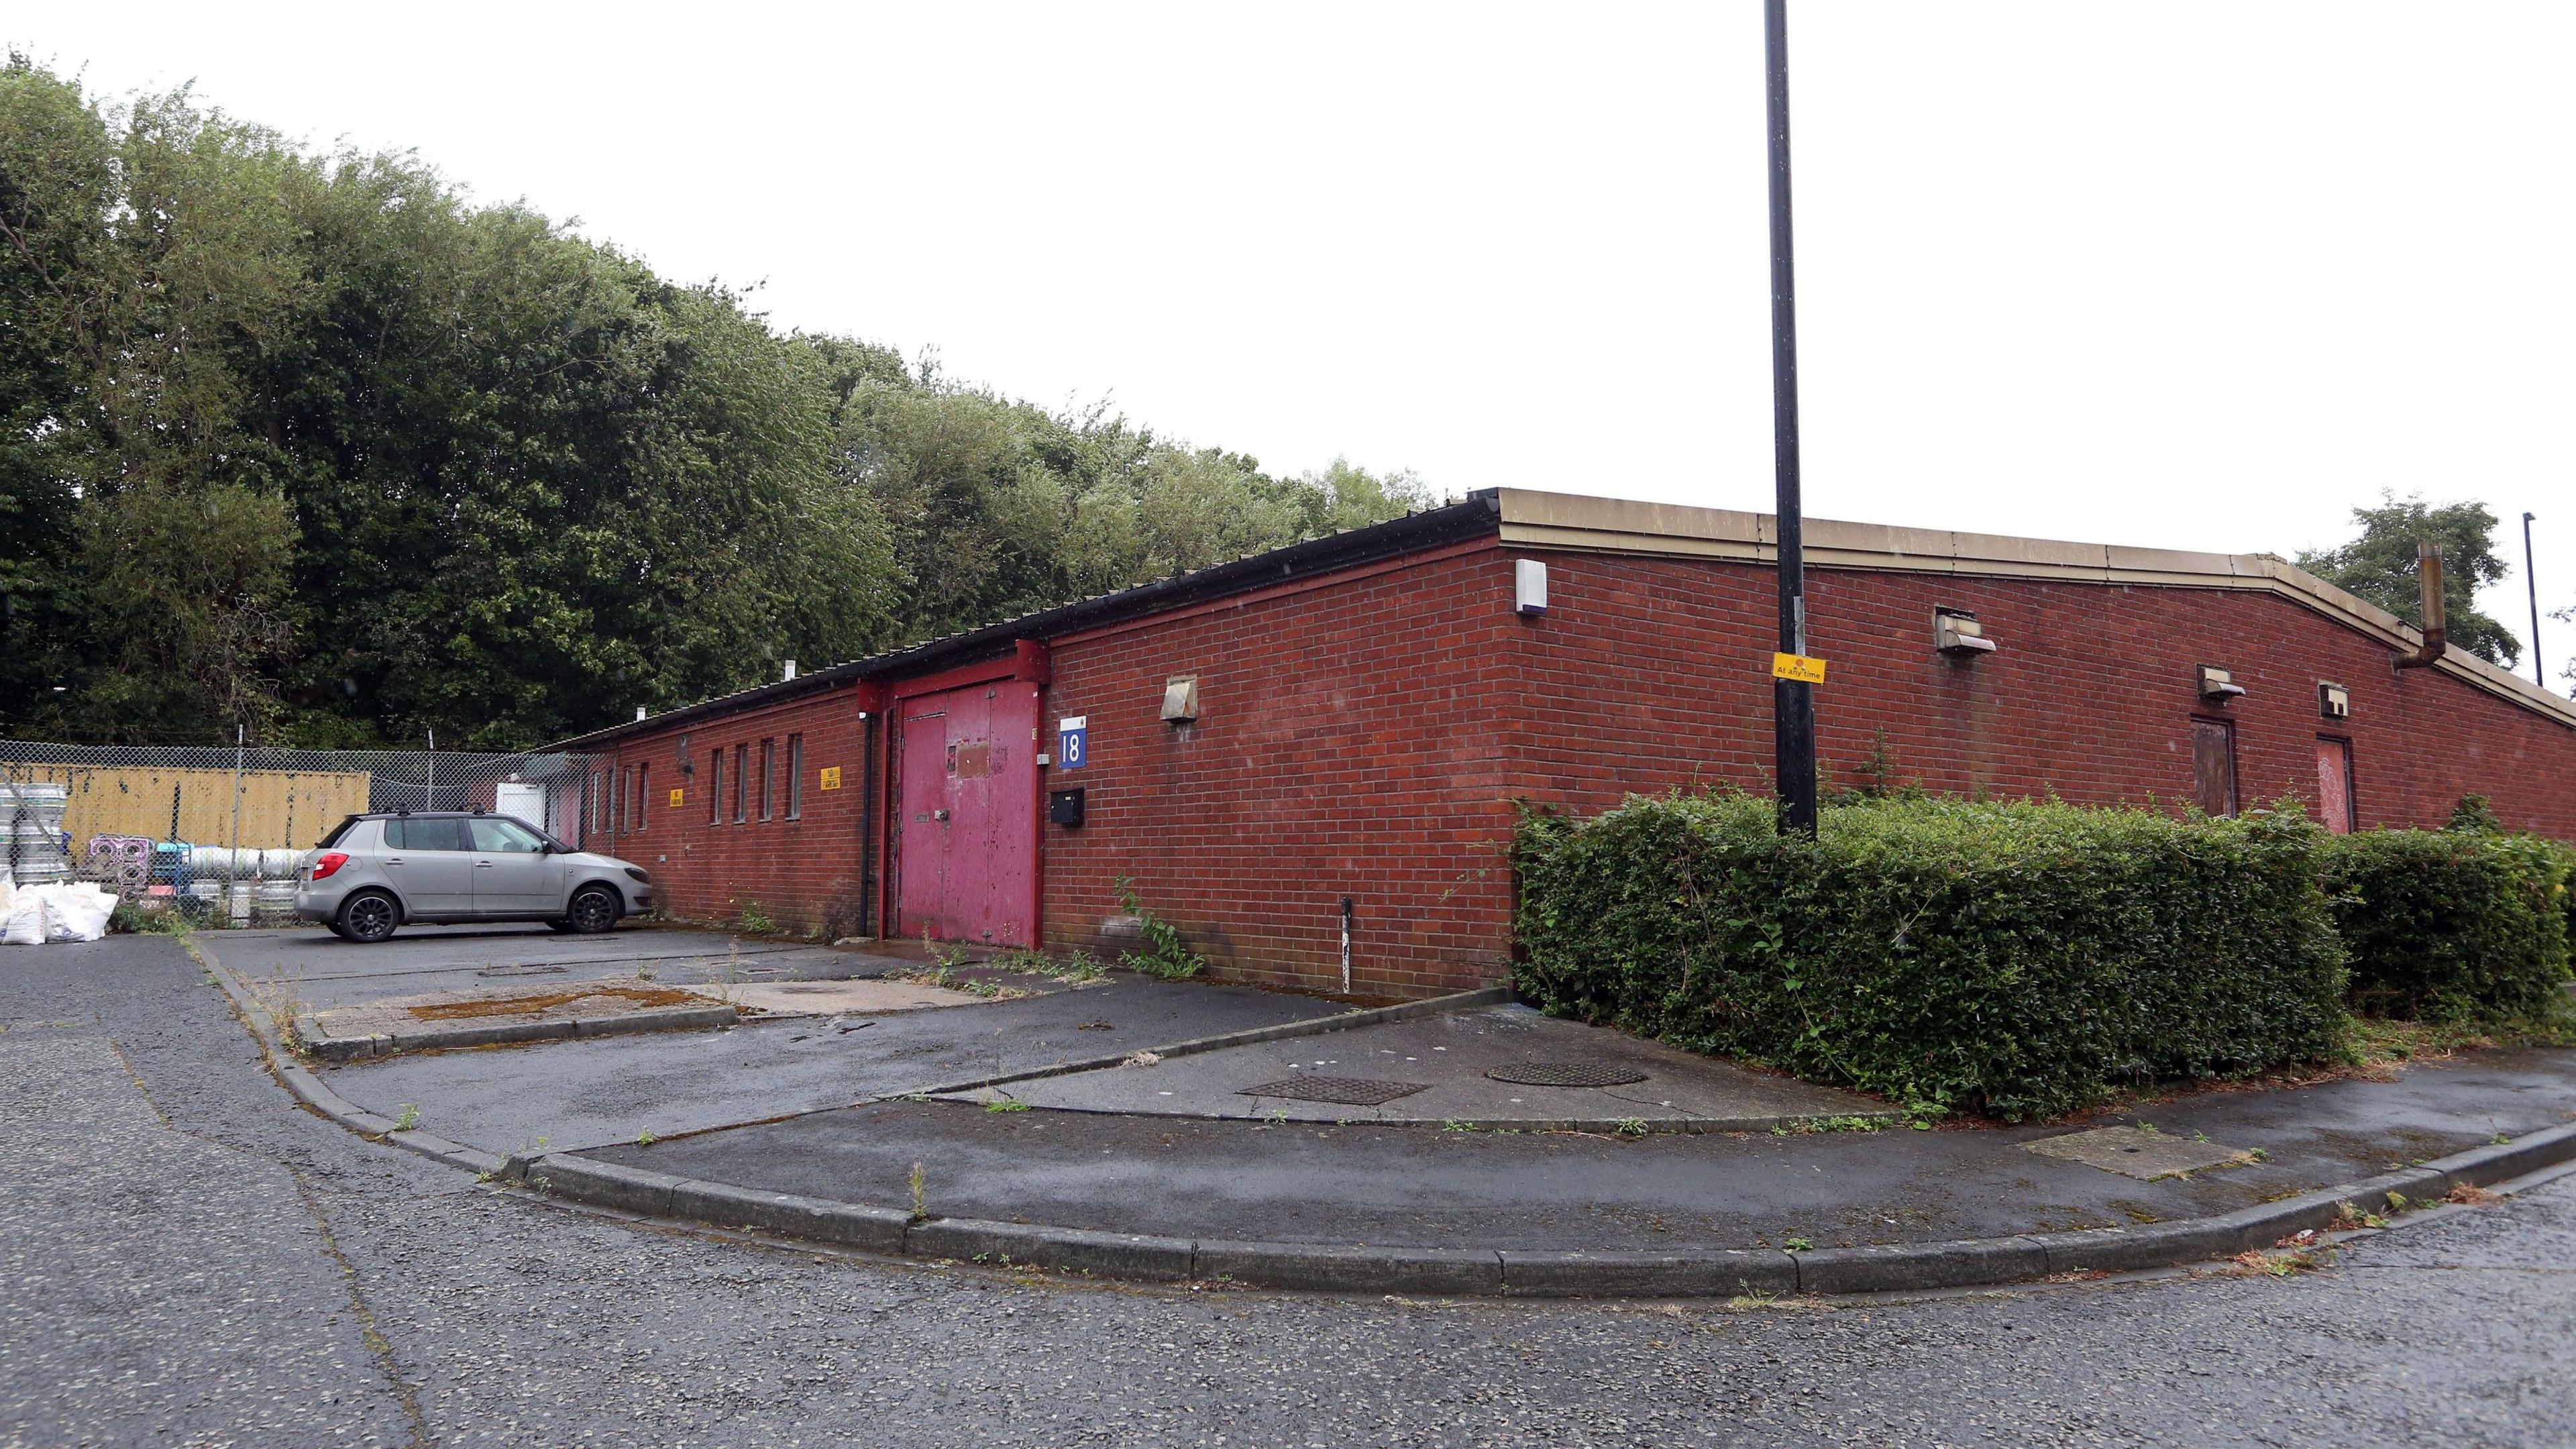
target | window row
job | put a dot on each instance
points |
(756, 786)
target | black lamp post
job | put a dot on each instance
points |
(1793, 705)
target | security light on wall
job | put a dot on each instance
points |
(1957, 632)
(1181, 699)
(2217, 685)
(2333, 701)
(1529, 586)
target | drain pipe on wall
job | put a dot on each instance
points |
(1346, 945)
(2428, 573)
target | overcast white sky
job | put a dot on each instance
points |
(2195, 275)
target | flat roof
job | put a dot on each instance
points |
(1533, 519)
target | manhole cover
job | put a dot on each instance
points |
(1348, 1091)
(1566, 1074)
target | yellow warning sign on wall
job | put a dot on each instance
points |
(1798, 667)
(676, 797)
(831, 777)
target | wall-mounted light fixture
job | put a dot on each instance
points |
(2217, 685)
(1957, 632)
(2333, 701)
(1180, 699)
(1529, 586)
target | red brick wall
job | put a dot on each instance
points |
(2090, 693)
(802, 873)
(1365, 736)
(1347, 745)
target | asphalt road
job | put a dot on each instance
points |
(187, 1259)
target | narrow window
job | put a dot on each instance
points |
(741, 782)
(768, 768)
(643, 795)
(795, 777)
(715, 786)
(617, 806)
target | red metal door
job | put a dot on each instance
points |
(2334, 783)
(966, 852)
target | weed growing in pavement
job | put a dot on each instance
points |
(1077, 968)
(645, 1138)
(1799, 1245)
(409, 1119)
(1007, 1104)
(1842, 1124)
(2258, 1154)
(1753, 1298)
(1452, 1124)
(1170, 957)
(1631, 1127)
(752, 920)
(132, 919)
(2498, 1140)
(918, 1213)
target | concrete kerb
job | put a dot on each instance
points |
(329, 1048)
(1466, 1272)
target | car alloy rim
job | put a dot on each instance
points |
(591, 909)
(369, 916)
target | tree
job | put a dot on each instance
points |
(2380, 566)
(306, 445)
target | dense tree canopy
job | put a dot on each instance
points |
(2380, 566)
(310, 444)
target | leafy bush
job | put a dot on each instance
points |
(2465, 925)
(2013, 957)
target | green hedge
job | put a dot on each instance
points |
(2456, 926)
(2017, 958)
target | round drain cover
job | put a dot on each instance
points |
(1567, 1074)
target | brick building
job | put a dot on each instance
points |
(1334, 735)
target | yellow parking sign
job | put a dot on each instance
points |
(831, 777)
(676, 797)
(1798, 667)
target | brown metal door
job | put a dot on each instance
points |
(2213, 766)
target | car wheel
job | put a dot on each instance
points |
(594, 909)
(368, 916)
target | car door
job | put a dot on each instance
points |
(514, 874)
(427, 861)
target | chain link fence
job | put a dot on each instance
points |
(217, 833)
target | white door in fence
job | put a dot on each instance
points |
(527, 802)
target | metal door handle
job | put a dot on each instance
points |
(393, 860)
(482, 865)
(939, 814)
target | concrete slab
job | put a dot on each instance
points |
(837, 998)
(1445, 1060)
(583, 1092)
(2143, 1155)
(323, 972)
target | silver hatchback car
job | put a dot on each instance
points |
(376, 872)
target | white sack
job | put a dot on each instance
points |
(27, 920)
(78, 911)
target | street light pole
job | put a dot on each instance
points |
(1793, 705)
(2531, 581)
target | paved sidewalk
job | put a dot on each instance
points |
(1455, 1069)
(1430, 1188)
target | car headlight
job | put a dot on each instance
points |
(639, 875)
